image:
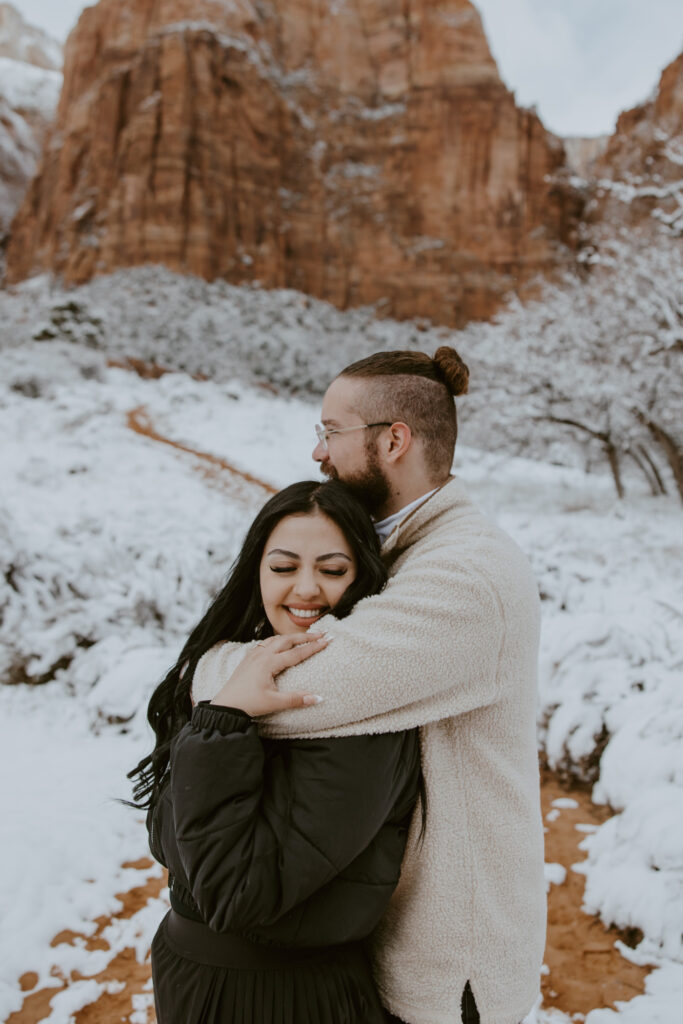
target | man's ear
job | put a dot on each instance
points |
(400, 438)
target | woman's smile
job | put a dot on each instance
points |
(305, 616)
(306, 567)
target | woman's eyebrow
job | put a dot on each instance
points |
(320, 558)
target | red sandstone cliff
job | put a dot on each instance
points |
(640, 174)
(643, 135)
(355, 152)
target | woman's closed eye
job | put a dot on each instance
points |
(293, 568)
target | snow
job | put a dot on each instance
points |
(382, 112)
(65, 835)
(29, 88)
(661, 1003)
(555, 874)
(25, 42)
(111, 545)
(641, 851)
(673, 153)
(28, 100)
(71, 999)
(188, 25)
(352, 170)
(423, 243)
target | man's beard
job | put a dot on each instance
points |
(370, 486)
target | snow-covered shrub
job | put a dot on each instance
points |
(90, 550)
(214, 330)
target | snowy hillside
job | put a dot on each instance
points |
(111, 544)
(28, 100)
(590, 375)
(24, 42)
(29, 89)
(30, 84)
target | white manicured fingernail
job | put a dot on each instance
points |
(313, 698)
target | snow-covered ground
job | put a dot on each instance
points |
(565, 379)
(110, 546)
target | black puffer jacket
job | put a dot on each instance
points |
(291, 842)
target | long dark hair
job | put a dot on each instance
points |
(236, 613)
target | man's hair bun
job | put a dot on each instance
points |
(451, 370)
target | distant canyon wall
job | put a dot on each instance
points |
(24, 42)
(355, 152)
(638, 180)
(641, 141)
(30, 84)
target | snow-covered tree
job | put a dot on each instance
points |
(596, 361)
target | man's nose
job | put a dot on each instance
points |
(320, 453)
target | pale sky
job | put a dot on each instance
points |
(580, 62)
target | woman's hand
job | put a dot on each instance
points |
(251, 687)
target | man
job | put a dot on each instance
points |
(449, 645)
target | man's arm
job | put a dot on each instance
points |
(436, 628)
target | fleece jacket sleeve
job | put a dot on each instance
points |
(256, 834)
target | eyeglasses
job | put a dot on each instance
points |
(323, 433)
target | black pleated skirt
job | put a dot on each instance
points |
(204, 978)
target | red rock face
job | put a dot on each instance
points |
(669, 100)
(648, 139)
(644, 160)
(356, 152)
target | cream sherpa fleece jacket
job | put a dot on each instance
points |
(450, 645)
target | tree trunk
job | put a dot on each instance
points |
(608, 446)
(674, 455)
(648, 468)
(655, 470)
(613, 459)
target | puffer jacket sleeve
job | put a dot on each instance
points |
(257, 836)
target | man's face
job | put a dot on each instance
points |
(352, 457)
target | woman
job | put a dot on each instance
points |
(282, 855)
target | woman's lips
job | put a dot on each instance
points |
(307, 618)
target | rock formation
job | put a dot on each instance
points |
(581, 153)
(360, 153)
(21, 41)
(643, 134)
(640, 174)
(29, 90)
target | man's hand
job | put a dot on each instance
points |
(251, 687)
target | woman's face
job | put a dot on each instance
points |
(307, 565)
